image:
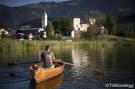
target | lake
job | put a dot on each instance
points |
(116, 62)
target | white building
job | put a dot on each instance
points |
(77, 26)
(84, 27)
(92, 21)
(37, 33)
(44, 19)
(72, 34)
(40, 29)
(3, 32)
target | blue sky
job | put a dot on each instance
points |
(13, 3)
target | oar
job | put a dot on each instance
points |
(30, 62)
(14, 64)
(97, 71)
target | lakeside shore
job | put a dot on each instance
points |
(10, 44)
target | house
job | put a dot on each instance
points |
(27, 32)
(92, 21)
(3, 32)
(84, 27)
(78, 26)
(30, 33)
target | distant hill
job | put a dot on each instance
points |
(129, 18)
(14, 16)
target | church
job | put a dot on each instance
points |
(27, 32)
(78, 26)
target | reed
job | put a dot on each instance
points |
(10, 44)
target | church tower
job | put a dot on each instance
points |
(44, 19)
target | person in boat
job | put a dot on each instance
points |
(47, 57)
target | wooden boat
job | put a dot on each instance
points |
(51, 84)
(42, 74)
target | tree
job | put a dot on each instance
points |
(63, 26)
(92, 32)
(99, 16)
(126, 30)
(121, 30)
(57, 26)
(50, 30)
(111, 25)
(3, 25)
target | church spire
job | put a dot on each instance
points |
(44, 19)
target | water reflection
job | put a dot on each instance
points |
(16, 85)
(19, 56)
(51, 84)
(118, 63)
(15, 77)
(80, 57)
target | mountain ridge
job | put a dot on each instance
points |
(14, 16)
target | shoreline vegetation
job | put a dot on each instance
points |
(10, 44)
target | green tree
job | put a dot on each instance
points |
(57, 26)
(63, 26)
(126, 30)
(121, 30)
(3, 25)
(91, 33)
(50, 30)
(111, 25)
(100, 17)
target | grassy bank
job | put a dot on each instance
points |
(8, 44)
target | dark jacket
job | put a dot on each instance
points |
(47, 58)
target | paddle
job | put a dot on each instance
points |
(31, 62)
(97, 71)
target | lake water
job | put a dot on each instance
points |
(116, 63)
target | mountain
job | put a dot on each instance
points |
(14, 16)
(129, 18)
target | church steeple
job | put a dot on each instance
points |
(44, 19)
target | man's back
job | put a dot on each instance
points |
(47, 58)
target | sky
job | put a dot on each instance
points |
(13, 3)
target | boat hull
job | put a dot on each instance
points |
(44, 74)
